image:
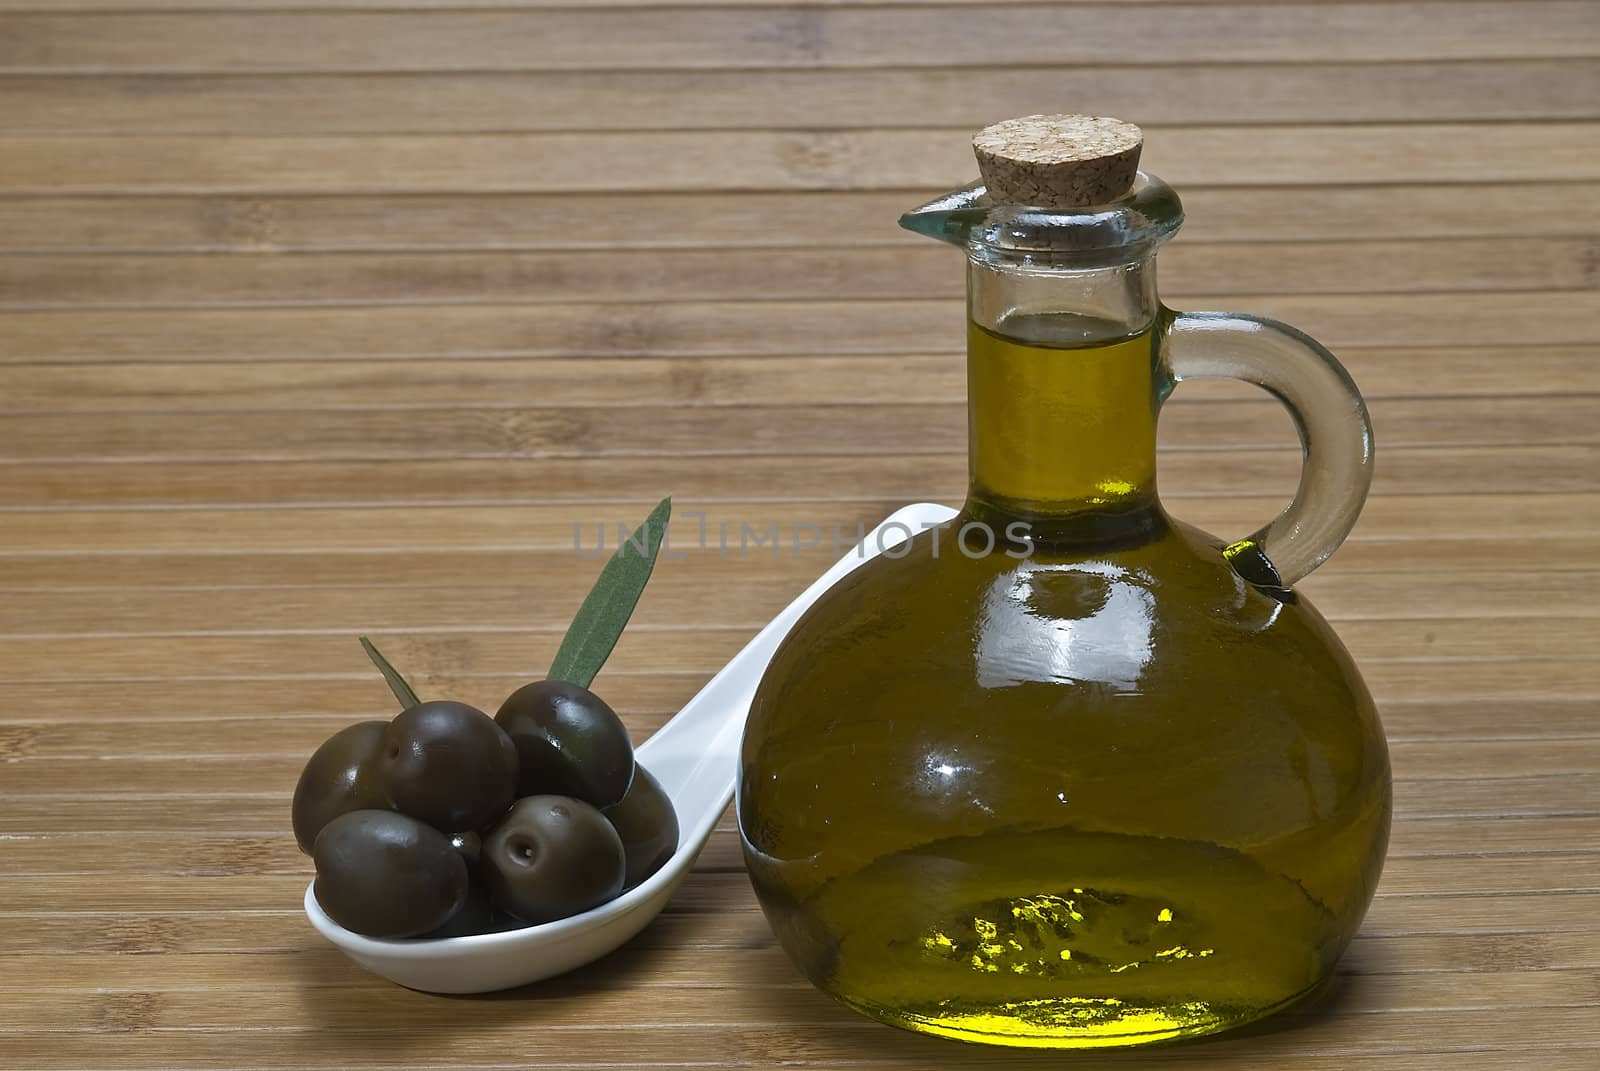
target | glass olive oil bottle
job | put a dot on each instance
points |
(1069, 772)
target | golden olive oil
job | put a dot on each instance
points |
(1086, 437)
(1088, 788)
(1058, 935)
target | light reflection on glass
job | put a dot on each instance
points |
(1090, 622)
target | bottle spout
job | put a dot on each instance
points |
(952, 217)
(1127, 229)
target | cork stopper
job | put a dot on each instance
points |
(1058, 161)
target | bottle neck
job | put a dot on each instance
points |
(1063, 383)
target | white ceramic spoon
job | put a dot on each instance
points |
(695, 756)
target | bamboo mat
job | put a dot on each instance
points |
(327, 316)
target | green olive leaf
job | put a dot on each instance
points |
(600, 620)
(397, 684)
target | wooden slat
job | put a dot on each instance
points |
(1333, 1038)
(462, 537)
(711, 900)
(492, 626)
(210, 855)
(745, 328)
(1404, 681)
(262, 816)
(180, 1009)
(1430, 562)
(1187, 268)
(88, 733)
(110, 224)
(1424, 760)
(250, 1009)
(162, 6)
(1410, 471)
(357, 695)
(832, 37)
(1499, 796)
(351, 1009)
(763, 160)
(428, 568)
(209, 642)
(180, 953)
(787, 430)
(629, 100)
(719, 892)
(481, 619)
(335, 386)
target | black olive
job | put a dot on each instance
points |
(470, 845)
(647, 824)
(553, 856)
(477, 914)
(342, 776)
(387, 875)
(569, 743)
(450, 765)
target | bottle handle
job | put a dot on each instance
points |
(1335, 432)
